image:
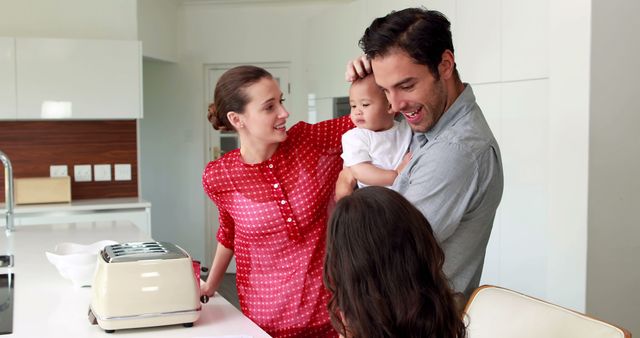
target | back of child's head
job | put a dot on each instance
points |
(383, 265)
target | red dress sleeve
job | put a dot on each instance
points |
(325, 135)
(226, 230)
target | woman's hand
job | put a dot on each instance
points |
(207, 288)
(218, 267)
(358, 68)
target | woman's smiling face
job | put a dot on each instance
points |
(264, 118)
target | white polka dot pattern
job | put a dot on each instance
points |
(274, 216)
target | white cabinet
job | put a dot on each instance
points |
(477, 42)
(525, 51)
(509, 43)
(78, 79)
(7, 79)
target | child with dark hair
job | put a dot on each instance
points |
(375, 150)
(383, 268)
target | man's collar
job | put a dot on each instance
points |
(455, 111)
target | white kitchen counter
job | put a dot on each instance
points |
(133, 209)
(47, 305)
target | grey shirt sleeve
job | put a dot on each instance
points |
(441, 185)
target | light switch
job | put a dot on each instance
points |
(82, 173)
(102, 172)
(122, 172)
(58, 171)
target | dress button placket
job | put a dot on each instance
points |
(285, 208)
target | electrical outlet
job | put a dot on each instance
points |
(122, 172)
(58, 171)
(82, 173)
(102, 172)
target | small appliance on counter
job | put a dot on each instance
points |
(36, 190)
(144, 284)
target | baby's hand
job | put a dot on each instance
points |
(405, 160)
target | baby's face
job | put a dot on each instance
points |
(369, 106)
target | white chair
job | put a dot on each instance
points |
(494, 312)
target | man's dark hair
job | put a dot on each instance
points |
(423, 34)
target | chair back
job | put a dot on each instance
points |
(494, 312)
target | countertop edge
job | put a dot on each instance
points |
(82, 205)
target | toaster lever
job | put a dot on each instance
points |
(92, 317)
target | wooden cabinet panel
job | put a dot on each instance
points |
(78, 79)
(33, 146)
(7, 78)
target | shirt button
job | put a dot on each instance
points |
(276, 185)
(283, 202)
(270, 166)
(289, 219)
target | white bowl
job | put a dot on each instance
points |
(77, 262)
(80, 275)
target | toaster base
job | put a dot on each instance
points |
(146, 320)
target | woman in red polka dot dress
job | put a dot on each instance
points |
(273, 196)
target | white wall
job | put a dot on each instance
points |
(505, 58)
(113, 19)
(328, 47)
(613, 266)
(158, 28)
(569, 50)
(171, 152)
(251, 33)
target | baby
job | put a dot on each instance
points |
(376, 150)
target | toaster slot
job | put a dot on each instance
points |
(126, 252)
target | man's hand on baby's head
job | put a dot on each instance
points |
(358, 68)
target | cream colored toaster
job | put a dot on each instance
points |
(144, 284)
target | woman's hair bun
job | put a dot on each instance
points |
(230, 95)
(214, 119)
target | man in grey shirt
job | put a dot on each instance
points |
(455, 175)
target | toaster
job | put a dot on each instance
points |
(144, 284)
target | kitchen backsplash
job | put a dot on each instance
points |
(33, 146)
